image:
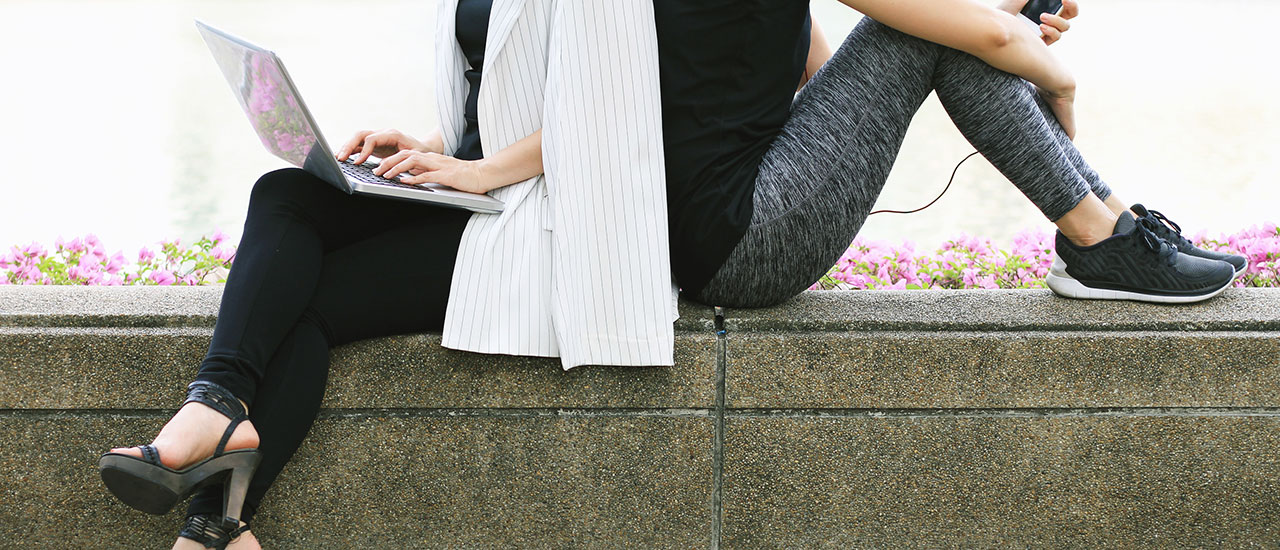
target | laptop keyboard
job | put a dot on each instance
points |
(364, 173)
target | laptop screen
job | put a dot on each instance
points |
(265, 95)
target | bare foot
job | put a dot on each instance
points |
(246, 541)
(192, 435)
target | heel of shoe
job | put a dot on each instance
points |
(237, 485)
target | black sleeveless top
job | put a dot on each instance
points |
(472, 31)
(729, 70)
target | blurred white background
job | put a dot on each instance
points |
(120, 124)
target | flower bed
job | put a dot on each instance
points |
(961, 263)
(84, 261)
(970, 262)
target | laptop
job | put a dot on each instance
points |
(275, 109)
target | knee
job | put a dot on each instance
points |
(280, 186)
(314, 319)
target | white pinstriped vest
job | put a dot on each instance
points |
(578, 264)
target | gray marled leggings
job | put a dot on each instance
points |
(822, 175)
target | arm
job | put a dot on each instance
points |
(819, 52)
(519, 162)
(990, 34)
(987, 33)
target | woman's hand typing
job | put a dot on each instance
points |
(385, 143)
(420, 167)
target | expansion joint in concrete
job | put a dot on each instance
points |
(1031, 412)
(357, 414)
(717, 447)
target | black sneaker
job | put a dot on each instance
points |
(1135, 264)
(1165, 229)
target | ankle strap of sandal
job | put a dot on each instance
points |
(219, 399)
(212, 531)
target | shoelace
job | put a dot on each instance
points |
(1166, 250)
(1160, 220)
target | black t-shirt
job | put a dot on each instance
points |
(472, 31)
(729, 71)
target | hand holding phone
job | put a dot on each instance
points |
(1035, 8)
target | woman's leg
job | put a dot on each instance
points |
(294, 220)
(393, 283)
(821, 177)
(1096, 183)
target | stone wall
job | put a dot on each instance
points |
(881, 420)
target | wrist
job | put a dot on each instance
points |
(433, 143)
(421, 146)
(1064, 88)
(485, 176)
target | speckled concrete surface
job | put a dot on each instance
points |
(386, 482)
(1094, 482)
(76, 306)
(1029, 421)
(148, 368)
(1009, 369)
(152, 306)
(1236, 309)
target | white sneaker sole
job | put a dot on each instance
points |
(1243, 270)
(1067, 286)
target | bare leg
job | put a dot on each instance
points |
(1090, 222)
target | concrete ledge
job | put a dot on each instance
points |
(149, 368)
(1004, 310)
(885, 419)
(1000, 482)
(1015, 369)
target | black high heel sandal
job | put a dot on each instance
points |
(212, 531)
(147, 485)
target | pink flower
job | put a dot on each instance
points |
(218, 236)
(162, 277)
(34, 250)
(284, 141)
(76, 245)
(145, 255)
(116, 263)
(262, 100)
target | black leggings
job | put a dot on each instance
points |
(318, 268)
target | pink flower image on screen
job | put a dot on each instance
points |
(275, 114)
